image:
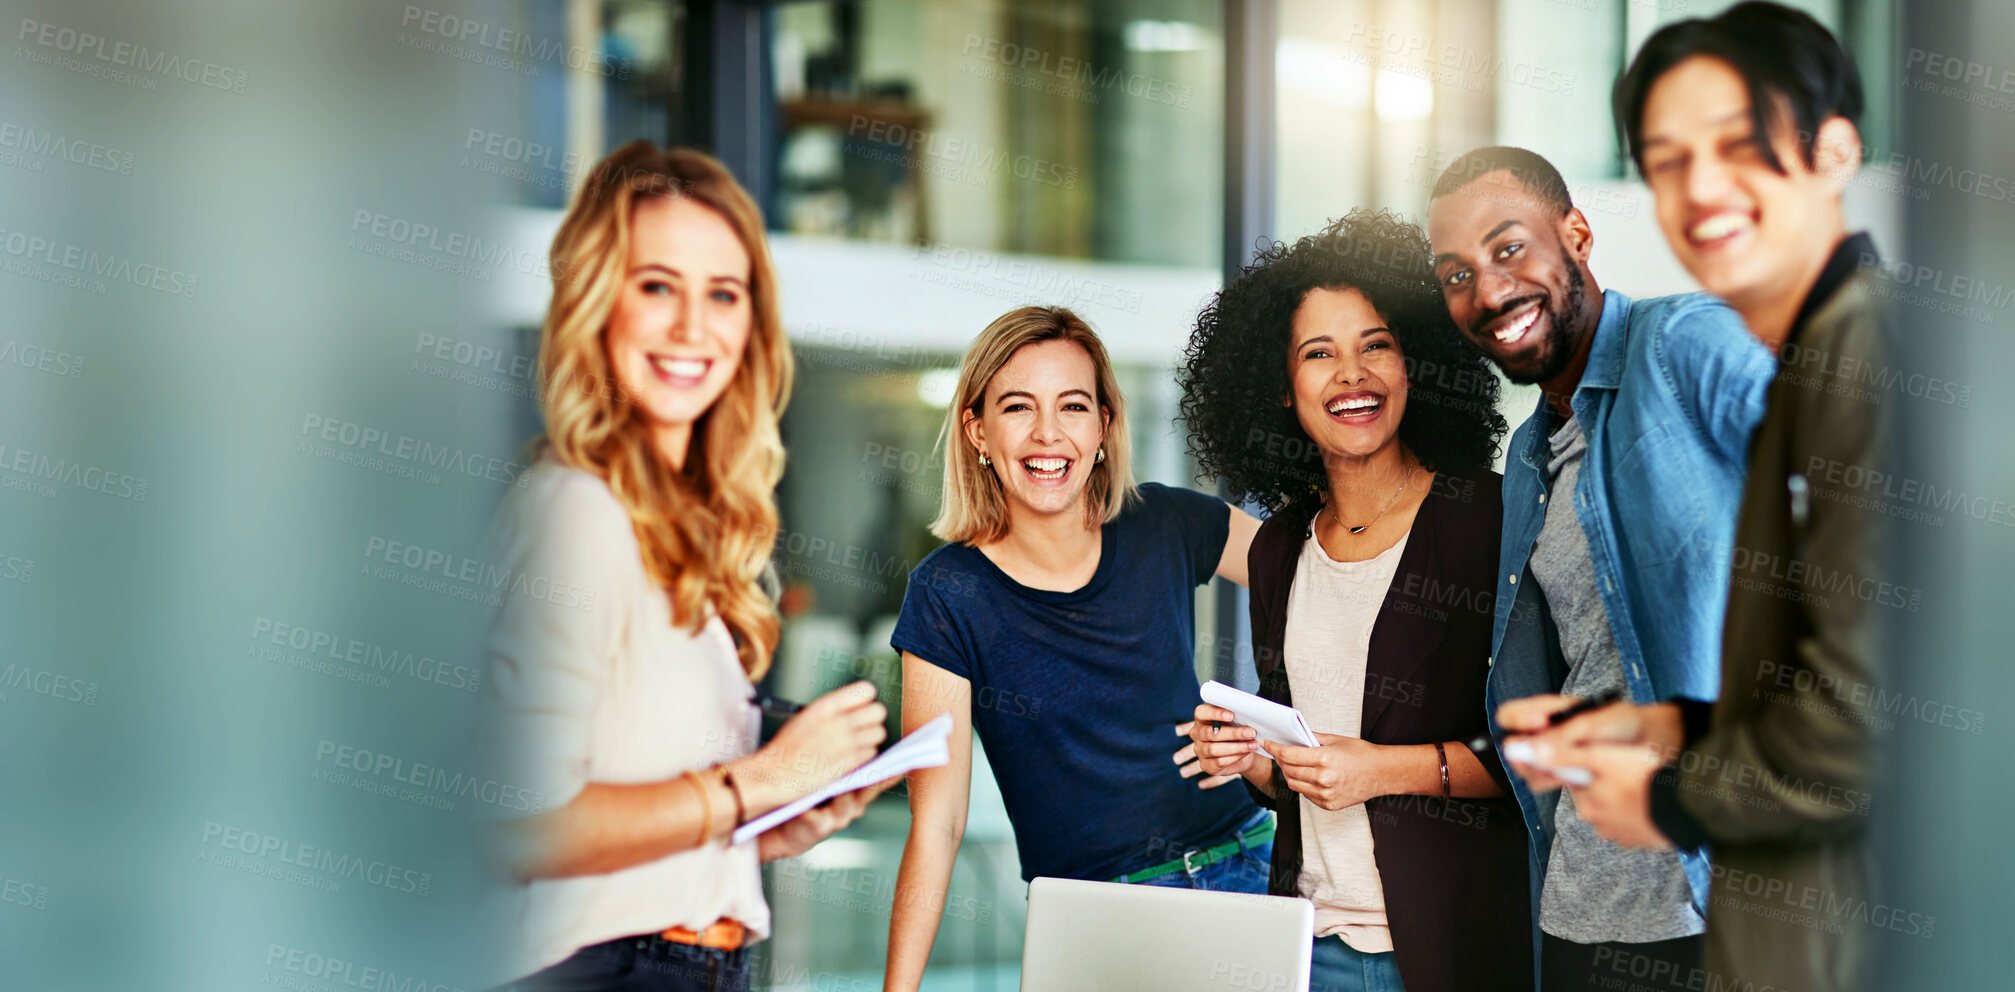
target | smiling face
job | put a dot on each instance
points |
(1348, 374)
(1041, 424)
(1744, 230)
(682, 318)
(1512, 273)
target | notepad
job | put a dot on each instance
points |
(1522, 752)
(1276, 723)
(926, 747)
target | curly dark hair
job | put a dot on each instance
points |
(1235, 370)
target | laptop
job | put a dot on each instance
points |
(1108, 937)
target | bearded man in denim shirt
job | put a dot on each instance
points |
(1620, 498)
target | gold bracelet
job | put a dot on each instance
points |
(1441, 751)
(706, 807)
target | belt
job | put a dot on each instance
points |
(1197, 859)
(721, 935)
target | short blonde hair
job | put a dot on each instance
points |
(974, 508)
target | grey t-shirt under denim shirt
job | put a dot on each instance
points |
(1594, 890)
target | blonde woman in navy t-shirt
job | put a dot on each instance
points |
(1058, 622)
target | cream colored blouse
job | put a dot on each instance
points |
(590, 682)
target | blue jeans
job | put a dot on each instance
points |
(1335, 966)
(1245, 871)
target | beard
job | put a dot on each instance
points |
(1563, 334)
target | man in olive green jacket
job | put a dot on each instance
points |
(1743, 126)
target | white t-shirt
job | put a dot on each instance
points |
(590, 682)
(1330, 612)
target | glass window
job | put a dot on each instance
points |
(1069, 128)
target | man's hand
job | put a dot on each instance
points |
(1657, 725)
(1617, 803)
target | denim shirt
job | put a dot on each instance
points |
(1673, 389)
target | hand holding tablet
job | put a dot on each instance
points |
(1273, 722)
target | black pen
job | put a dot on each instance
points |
(1595, 702)
(778, 707)
(1562, 715)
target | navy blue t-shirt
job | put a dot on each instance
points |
(1076, 695)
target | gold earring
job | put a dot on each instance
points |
(983, 460)
(1100, 456)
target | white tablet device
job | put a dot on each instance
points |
(1276, 723)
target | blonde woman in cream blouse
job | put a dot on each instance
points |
(624, 659)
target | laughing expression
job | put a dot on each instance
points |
(1513, 284)
(682, 318)
(1348, 374)
(1041, 424)
(1739, 226)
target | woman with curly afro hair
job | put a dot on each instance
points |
(1327, 384)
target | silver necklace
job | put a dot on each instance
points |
(1359, 529)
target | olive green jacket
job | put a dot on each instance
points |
(1780, 782)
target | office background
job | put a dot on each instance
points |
(274, 273)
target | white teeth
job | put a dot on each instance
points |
(1717, 227)
(1046, 468)
(683, 368)
(1517, 327)
(1341, 407)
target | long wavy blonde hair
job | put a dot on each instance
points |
(706, 531)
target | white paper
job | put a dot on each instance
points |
(925, 747)
(1276, 723)
(1522, 752)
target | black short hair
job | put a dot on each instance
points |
(1779, 53)
(1235, 369)
(1529, 168)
